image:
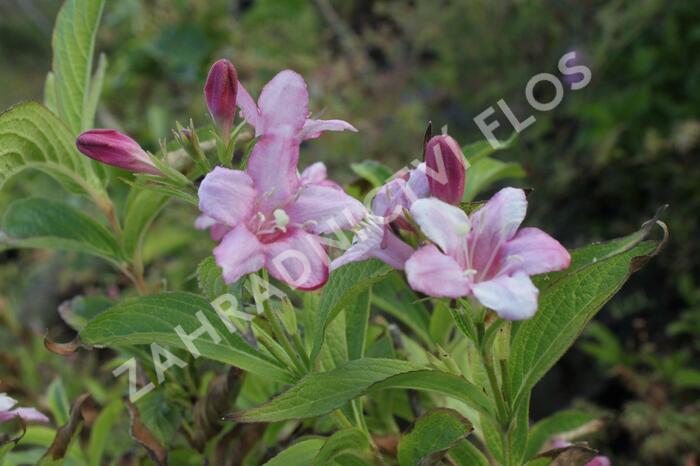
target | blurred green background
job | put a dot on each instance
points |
(600, 163)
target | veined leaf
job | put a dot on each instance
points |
(561, 422)
(356, 322)
(339, 443)
(466, 454)
(299, 454)
(431, 436)
(322, 392)
(209, 279)
(568, 300)
(344, 285)
(153, 319)
(41, 223)
(73, 49)
(33, 137)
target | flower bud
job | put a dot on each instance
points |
(220, 91)
(445, 167)
(116, 149)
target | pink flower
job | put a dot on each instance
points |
(220, 91)
(116, 149)
(375, 240)
(7, 412)
(283, 108)
(446, 167)
(484, 254)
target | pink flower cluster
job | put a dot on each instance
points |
(271, 216)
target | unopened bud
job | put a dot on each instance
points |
(220, 91)
(116, 149)
(445, 167)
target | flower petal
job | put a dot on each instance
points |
(273, 168)
(284, 103)
(239, 253)
(436, 274)
(446, 225)
(227, 196)
(6, 402)
(249, 110)
(533, 251)
(375, 241)
(299, 260)
(513, 298)
(314, 173)
(30, 415)
(313, 128)
(322, 209)
(217, 230)
(418, 184)
(494, 224)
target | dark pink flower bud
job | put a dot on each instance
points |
(220, 91)
(116, 149)
(445, 167)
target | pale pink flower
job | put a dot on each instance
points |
(484, 255)
(283, 108)
(116, 149)
(376, 240)
(9, 412)
(269, 215)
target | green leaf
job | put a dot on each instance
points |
(82, 309)
(372, 171)
(210, 279)
(101, 430)
(299, 454)
(466, 454)
(57, 399)
(431, 436)
(33, 137)
(487, 171)
(41, 223)
(356, 321)
(142, 207)
(73, 49)
(394, 297)
(322, 392)
(343, 286)
(153, 319)
(568, 300)
(339, 443)
(560, 422)
(478, 150)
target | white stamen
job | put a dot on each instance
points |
(281, 219)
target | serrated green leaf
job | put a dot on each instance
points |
(209, 278)
(339, 443)
(299, 454)
(322, 392)
(567, 302)
(153, 319)
(560, 422)
(343, 286)
(431, 436)
(82, 309)
(487, 171)
(33, 137)
(41, 223)
(73, 45)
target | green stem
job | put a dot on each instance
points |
(283, 339)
